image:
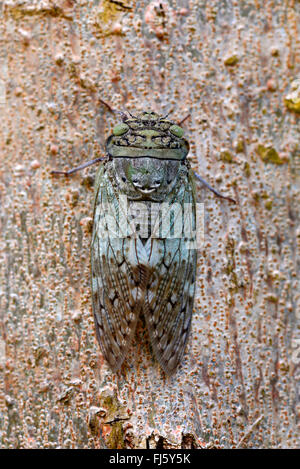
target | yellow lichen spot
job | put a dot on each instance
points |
(226, 156)
(107, 16)
(239, 146)
(268, 204)
(292, 100)
(231, 60)
(111, 10)
(247, 169)
(269, 155)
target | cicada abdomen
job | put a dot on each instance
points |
(143, 261)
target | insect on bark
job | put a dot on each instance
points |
(143, 251)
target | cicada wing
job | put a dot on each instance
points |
(171, 290)
(115, 292)
(170, 304)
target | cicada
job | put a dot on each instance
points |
(143, 251)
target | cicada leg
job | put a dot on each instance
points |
(212, 189)
(79, 168)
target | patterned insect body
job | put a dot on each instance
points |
(142, 260)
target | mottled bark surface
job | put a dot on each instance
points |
(231, 65)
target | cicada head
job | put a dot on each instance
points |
(147, 135)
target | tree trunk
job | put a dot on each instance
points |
(232, 66)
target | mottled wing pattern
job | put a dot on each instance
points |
(117, 296)
(170, 294)
(156, 278)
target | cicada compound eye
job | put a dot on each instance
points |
(120, 129)
(176, 130)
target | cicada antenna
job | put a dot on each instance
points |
(107, 105)
(179, 123)
(131, 115)
(123, 115)
(184, 119)
(164, 117)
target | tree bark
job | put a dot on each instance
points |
(232, 66)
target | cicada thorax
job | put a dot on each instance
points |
(146, 178)
(146, 267)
